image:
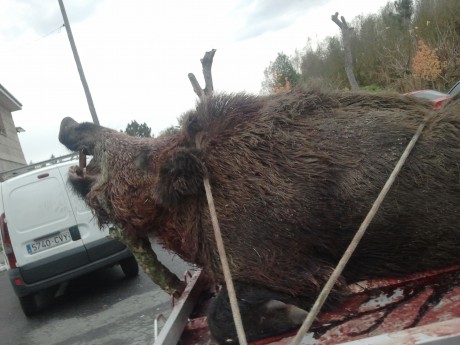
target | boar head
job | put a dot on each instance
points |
(130, 181)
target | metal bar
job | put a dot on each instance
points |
(155, 325)
(177, 320)
(5, 175)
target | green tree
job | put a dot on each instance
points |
(312, 65)
(280, 74)
(324, 65)
(171, 130)
(368, 65)
(405, 10)
(384, 48)
(138, 130)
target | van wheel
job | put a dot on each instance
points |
(28, 304)
(130, 267)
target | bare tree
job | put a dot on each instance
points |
(346, 39)
(206, 63)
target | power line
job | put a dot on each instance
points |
(36, 40)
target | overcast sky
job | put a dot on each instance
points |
(136, 55)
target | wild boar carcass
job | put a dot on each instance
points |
(293, 176)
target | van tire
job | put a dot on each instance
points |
(28, 304)
(130, 267)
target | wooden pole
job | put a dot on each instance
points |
(89, 99)
(206, 63)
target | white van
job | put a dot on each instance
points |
(48, 233)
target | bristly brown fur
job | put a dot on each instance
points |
(293, 176)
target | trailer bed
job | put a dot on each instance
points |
(419, 309)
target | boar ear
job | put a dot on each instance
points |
(180, 175)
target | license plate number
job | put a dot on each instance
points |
(48, 242)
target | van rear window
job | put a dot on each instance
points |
(37, 203)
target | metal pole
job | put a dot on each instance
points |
(79, 67)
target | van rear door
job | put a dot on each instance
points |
(96, 241)
(42, 225)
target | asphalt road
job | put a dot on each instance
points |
(100, 308)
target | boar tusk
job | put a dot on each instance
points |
(82, 159)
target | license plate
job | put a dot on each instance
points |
(49, 242)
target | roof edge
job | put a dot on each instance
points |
(11, 102)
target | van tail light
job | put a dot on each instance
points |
(438, 104)
(7, 246)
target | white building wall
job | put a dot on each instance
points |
(11, 155)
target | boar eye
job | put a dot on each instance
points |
(142, 161)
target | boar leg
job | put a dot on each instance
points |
(147, 259)
(264, 313)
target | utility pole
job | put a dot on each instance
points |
(89, 99)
